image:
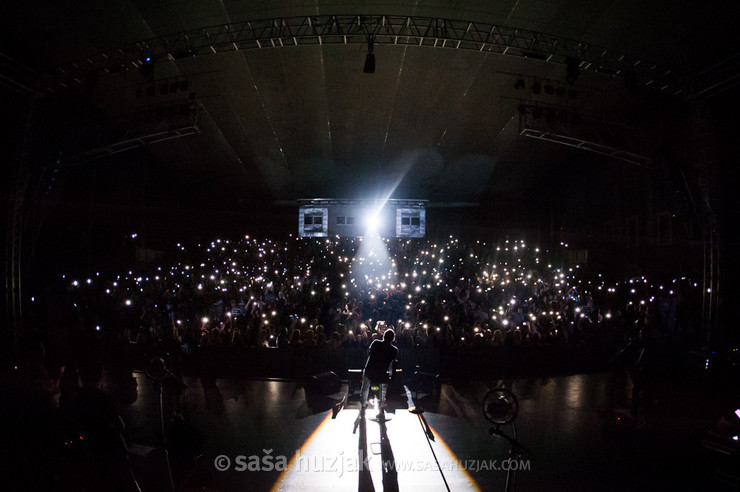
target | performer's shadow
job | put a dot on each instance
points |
(389, 472)
(365, 483)
(390, 475)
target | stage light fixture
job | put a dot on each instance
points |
(369, 63)
(572, 69)
(147, 67)
(370, 57)
(500, 406)
(372, 222)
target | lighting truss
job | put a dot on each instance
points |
(608, 138)
(15, 76)
(396, 30)
(183, 122)
(579, 143)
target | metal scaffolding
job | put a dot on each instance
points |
(175, 119)
(16, 223)
(558, 125)
(705, 148)
(318, 30)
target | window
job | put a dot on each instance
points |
(350, 220)
(341, 220)
(410, 222)
(313, 222)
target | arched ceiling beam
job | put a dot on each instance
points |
(387, 30)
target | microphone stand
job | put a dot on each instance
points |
(516, 450)
(158, 379)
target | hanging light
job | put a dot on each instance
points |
(370, 57)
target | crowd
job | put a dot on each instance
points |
(341, 293)
(302, 306)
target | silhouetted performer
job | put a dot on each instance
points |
(378, 366)
(99, 421)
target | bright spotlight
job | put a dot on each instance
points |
(372, 221)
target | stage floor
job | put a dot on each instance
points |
(263, 435)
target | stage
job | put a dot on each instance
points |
(578, 432)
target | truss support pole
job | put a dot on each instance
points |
(14, 243)
(705, 162)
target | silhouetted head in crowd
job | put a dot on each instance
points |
(389, 335)
(90, 374)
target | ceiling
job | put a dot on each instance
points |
(277, 124)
